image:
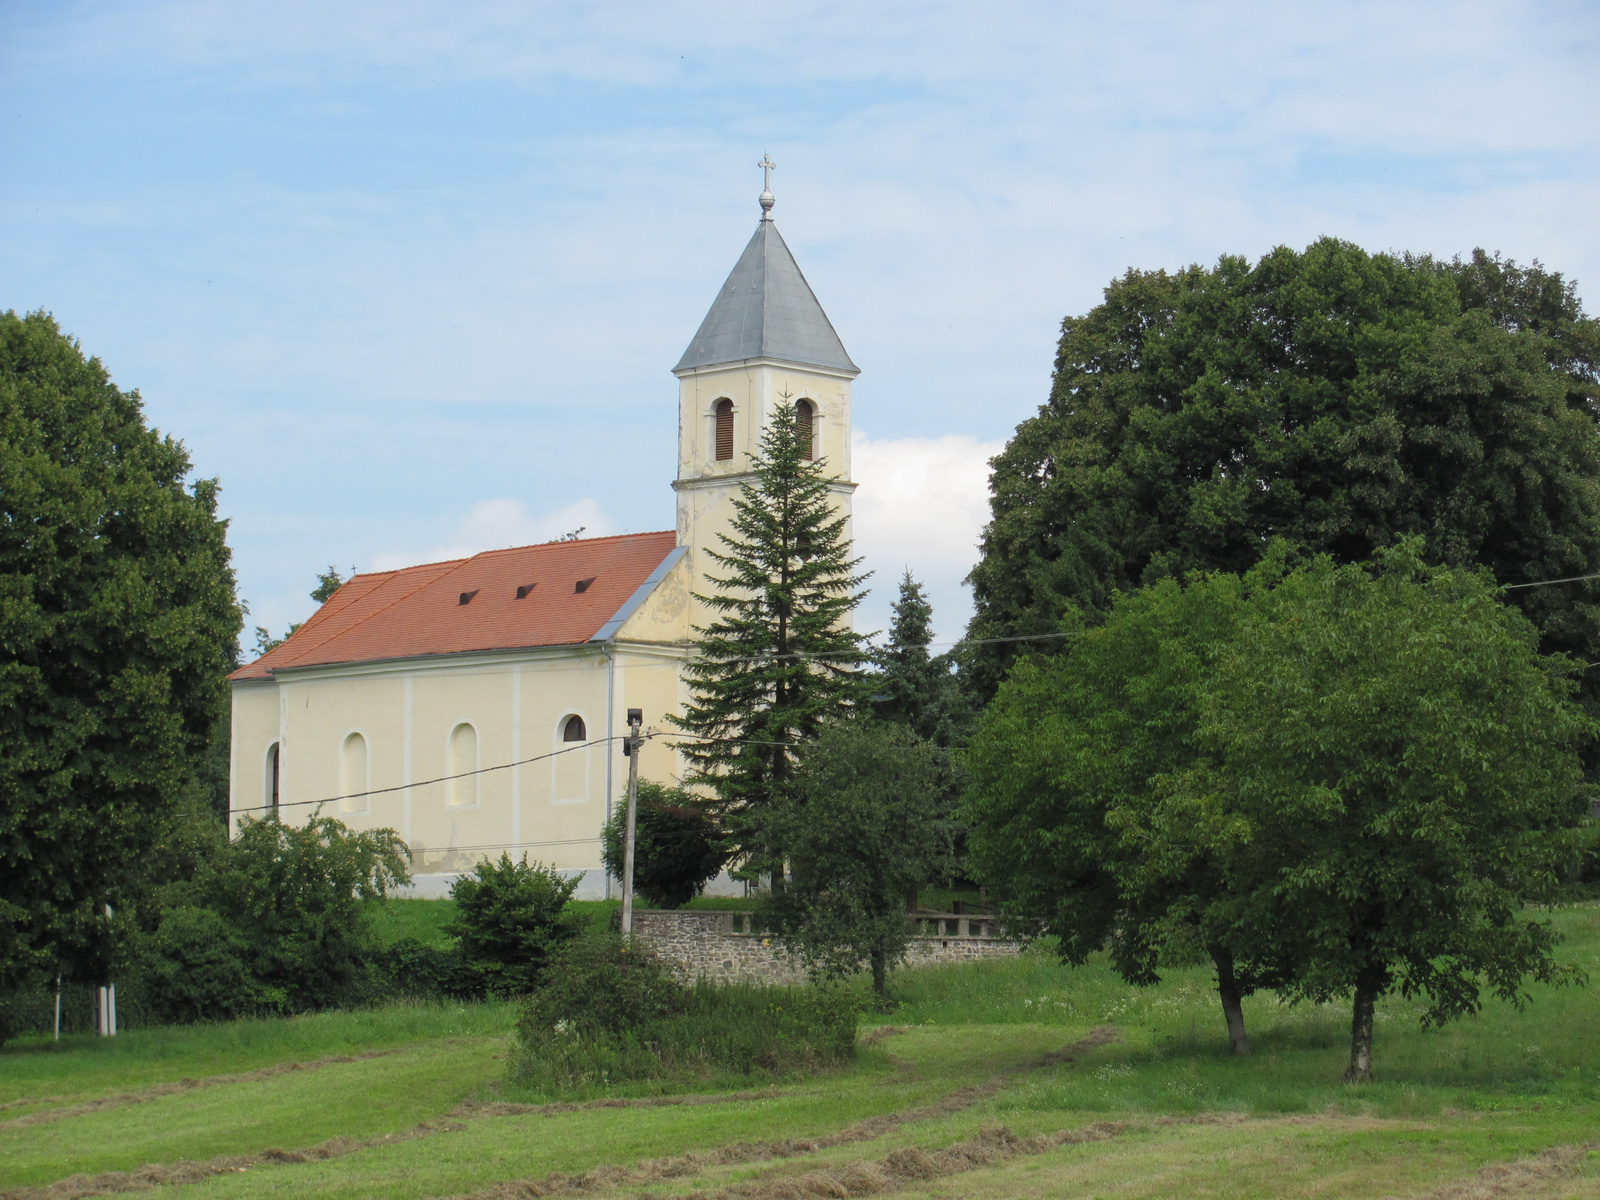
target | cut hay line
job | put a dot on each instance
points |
(155, 1175)
(176, 1088)
(504, 1108)
(1100, 1035)
(881, 1032)
(607, 1178)
(1519, 1178)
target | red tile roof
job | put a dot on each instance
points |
(418, 610)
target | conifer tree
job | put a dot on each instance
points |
(781, 658)
(914, 687)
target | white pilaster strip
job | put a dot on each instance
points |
(516, 755)
(405, 770)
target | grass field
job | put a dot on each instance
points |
(1001, 1080)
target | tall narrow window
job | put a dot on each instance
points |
(463, 760)
(273, 774)
(805, 424)
(724, 411)
(353, 774)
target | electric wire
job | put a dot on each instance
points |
(1511, 587)
(401, 787)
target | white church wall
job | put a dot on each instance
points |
(406, 713)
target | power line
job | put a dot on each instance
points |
(401, 787)
(801, 654)
(1511, 587)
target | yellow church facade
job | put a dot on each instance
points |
(477, 706)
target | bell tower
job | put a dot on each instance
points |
(765, 342)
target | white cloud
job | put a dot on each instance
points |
(496, 524)
(921, 505)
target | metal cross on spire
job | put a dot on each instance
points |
(766, 199)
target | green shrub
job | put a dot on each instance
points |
(677, 845)
(197, 967)
(424, 971)
(613, 1014)
(509, 919)
(276, 920)
(297, 896)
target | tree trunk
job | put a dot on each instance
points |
(1232, 1008)
(1368, 986)
(880, 975)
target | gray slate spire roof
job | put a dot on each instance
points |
(766, 310)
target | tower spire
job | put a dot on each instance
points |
(766, 199)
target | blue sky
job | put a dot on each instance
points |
(410, 277)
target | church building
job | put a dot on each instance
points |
(478, 705)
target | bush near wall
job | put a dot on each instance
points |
(613, 1014)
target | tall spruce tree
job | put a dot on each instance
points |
(913, 686)
(781, 660)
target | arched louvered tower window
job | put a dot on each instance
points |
(573, 730)
(805, 422)
(724, 411)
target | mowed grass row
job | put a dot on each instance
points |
(1500, 1086)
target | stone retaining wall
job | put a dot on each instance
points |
(723, 947)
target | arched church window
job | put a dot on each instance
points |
(463, 760)
(805, 423)
(271, 781)
(574, 730)
(724, 411)
(353, 774)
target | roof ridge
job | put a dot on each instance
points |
(444, 562)
(610, 537)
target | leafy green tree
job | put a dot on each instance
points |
(1348, 782)
(863, 826)
(911, 685)
(781, 659)
(118, 625)
(678, 846)
(1076, 824)
(1405, 765)
(1330, 397)
(510, 917)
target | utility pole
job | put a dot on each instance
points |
(630, 747)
